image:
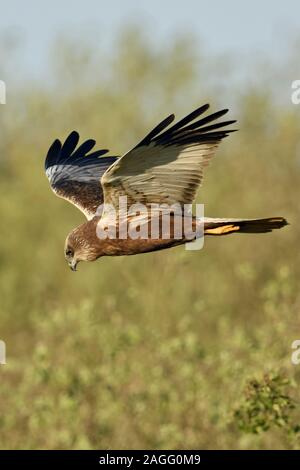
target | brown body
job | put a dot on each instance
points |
(85, 242)
(124, 246)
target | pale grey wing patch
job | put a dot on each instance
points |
(155, 174)
(75, 175)
(167, 165)
(73, 172)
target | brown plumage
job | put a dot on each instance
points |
(165, 168)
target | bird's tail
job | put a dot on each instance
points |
(226, 226)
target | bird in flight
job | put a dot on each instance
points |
(164, 169)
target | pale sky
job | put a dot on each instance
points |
(233, 26)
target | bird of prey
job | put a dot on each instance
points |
(165, 167)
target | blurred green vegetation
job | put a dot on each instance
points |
(153, 351)
(266, 403)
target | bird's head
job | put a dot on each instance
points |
(78, 247)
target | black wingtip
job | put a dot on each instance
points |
(70, 144)
(157, 129)
(53, 153)
(66, 153)
(183, 122)
(74, 135)
(191, 130)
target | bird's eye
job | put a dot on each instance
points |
(69, 252)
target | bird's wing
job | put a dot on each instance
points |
(167, 165)
(74, 174)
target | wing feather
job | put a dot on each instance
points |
(74, 174)
(167, 167)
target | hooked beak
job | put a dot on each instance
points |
(72, 264)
